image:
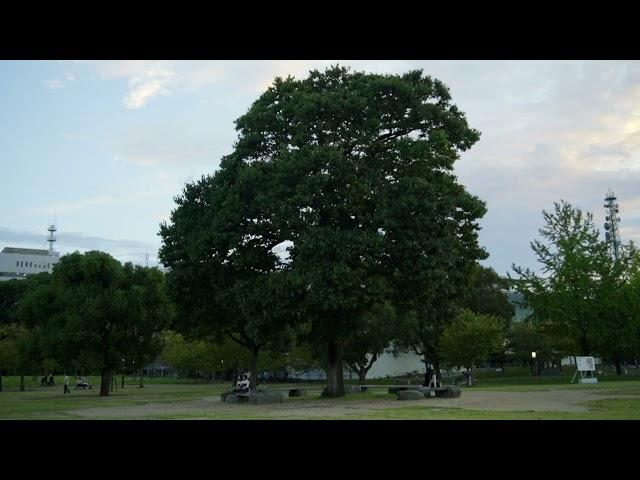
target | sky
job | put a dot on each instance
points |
(105, 146)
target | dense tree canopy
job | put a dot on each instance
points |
(353, 172)
(487, 294)
(225, 274)
(94, 312)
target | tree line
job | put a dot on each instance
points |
(335, 230)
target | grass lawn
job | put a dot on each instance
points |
(613, 399)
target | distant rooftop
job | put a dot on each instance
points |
(25, 251)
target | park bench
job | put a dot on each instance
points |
(83, 385)
(441, 392)
(459, 378)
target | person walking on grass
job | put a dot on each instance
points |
(66, 383)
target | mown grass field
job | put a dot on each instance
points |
(165, 398)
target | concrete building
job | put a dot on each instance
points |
(522, 311)
(17, 263)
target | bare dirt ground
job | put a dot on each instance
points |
(548, 400)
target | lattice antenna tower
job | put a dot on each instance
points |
(612, 224)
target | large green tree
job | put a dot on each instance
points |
(361, 170)
(353, 172)
(582, 291)
(94, 312)
(572, 260)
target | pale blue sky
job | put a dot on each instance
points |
(106, 145)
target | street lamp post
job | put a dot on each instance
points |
(533, 360)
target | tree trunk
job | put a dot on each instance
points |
(141, 380)
(105, 380)
(105, 372)
(253, 378)
(0, 380)
(335, 380)
(123, 380)
(618, 363)
(436, 368)
(362, 376)
(428, 372)
(22, 382)
(584, 345)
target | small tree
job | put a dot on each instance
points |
(470, 338)
(370, 341)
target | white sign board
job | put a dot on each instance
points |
(585, 364)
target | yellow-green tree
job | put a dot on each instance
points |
(470, 339)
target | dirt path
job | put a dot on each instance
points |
(549, 400)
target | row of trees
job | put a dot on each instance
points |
(336, 227)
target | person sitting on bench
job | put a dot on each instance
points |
(242, 385)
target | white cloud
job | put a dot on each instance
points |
(57, 83)
(94, 201)
(154, 82)
(150, 79)
(54, 83)
(171, 145)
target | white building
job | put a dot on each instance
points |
(20, 262)
(399, 365)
